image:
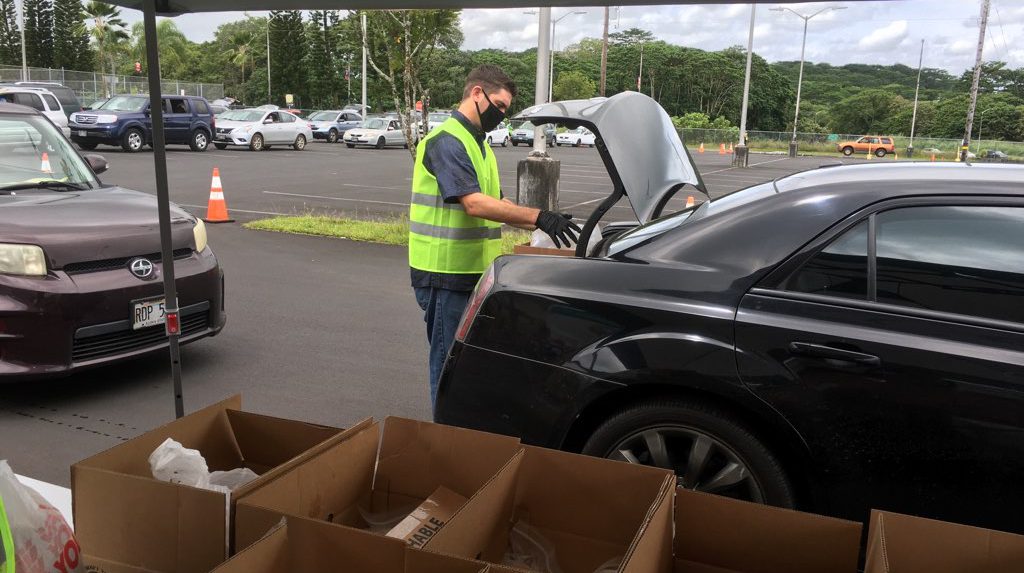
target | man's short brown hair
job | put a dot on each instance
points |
(490, 78)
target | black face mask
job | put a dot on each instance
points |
(491, 117)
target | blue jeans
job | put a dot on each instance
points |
(442, 310)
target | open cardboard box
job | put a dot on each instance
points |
(590, 510)
(720, 535)
(126, 520)
(304, 545)
(900, 543)
(526, 249)
(375, 473)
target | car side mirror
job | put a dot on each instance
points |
(97, 163)
(146, 113)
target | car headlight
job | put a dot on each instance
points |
(106, 119)
(199, 232)
(25, 260)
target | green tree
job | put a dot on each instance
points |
(176, 56)
(241, 51)
(325, 87)
(38, 16)
(10, 34)
(287, 53)
(866, 112)
(109, 32)
(70, 36)
(574, 85)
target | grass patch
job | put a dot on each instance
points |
(390, 231)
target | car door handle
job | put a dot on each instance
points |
(833, 353)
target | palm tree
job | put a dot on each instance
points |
(241, 50)
(109, 31)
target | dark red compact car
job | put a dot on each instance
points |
(80, 264)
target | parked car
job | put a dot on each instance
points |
(259, 129)
(69, 102)
(995, 154)
(576, 137)
(332, 124)
(835, 340)
(218, 109)
(436, 118)
(39, 99)
(523, 133)
(79, 260)
(879, 146)
(500, 135)
(125, 121)
(377, 132)
(95, 105)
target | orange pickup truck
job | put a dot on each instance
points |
(868, 144)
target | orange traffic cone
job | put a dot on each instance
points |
(689, 202)
(701, 150)
(721, 149)
(730, 149)
(217, 208)
(933, 157)
(45, 167)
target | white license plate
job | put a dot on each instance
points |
(147, 313)
(83, 133)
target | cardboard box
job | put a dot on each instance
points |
(526, 249)
(414, 460)
(590, 510)
(126, 520)
(720, 535)
(305, 546)
(901, 543)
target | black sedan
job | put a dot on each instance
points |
(836, 340)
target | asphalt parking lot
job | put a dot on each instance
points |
(318, 329)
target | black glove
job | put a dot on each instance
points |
(559, 226)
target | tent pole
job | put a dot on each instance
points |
(163, 201)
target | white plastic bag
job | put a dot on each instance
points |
(541, 239)
(232, 479)
(43, 542)
(529, 549)
(174, 463)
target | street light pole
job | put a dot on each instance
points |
(24, 58)
(800, 79)
(917, 90)
(741, 158)
(269, 96)
(551, 68)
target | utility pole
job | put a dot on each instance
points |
(917, 90)
(741, 158)
(270, 98)
(640, 74)
(604, 52)
(362, 112)
(977, 78)
(24, 58)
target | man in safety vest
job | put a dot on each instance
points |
(457, 210)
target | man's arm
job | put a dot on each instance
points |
(523, 227)
(499, 210)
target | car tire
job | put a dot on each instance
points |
(256, 143)
(579, 143)
(735, 462)
(220, 145)
(133, 140)
(515, 144)
(880, 153)
(300, 142)
(87, 146)
(350, 145)
(199, 141)
(505, 143)
(380, 142)
(332, 136)
(847, 151)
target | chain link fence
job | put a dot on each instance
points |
(93, 86)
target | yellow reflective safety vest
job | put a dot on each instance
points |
(6, 542)
(442, 237)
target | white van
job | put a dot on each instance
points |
(41, 99)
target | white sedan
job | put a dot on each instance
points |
(258, 129)
(377, 132)
(576, 137)
(500, 135)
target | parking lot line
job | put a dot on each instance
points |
(335, 198)
(377, 187)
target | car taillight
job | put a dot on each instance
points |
(483, 288)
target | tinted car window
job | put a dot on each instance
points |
(178, 106)
(201, 107)
(51, 102)
(960, 259)
(31, 100)
(840, 269)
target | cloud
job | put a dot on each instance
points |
(885, 38)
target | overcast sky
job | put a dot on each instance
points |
(865, 32)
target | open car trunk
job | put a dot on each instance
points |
(647, 175)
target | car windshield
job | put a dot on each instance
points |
(33, 151)
(324, 116)
(525, 125)
(439, 116)
(639, 234)
(374, 123)
(242, 115)
(124, 103)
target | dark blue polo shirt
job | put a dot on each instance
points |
(446, 159)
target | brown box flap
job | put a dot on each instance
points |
(898, 543)
(526, 249)
(652, 550)
(746, 537)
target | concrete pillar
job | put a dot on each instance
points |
(793, 148)
(537, 182)
(910, 151)
(741, 158)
